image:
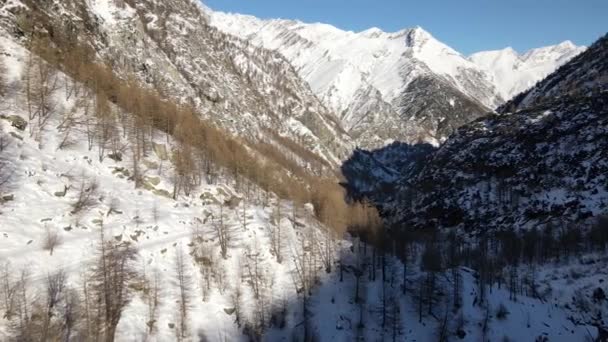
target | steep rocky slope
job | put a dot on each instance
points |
(58, 201)
(517, 170)
(170, 45)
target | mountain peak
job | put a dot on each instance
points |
(510, 50)
(567, 44)
(372, 32)
(417, 36)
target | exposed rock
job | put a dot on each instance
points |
(161, 151)
(16, 121)
(152, 165)
(162, 192)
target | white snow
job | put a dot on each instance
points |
(513, 73)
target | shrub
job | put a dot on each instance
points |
(51, 240)
(502, 312)
(87, 190)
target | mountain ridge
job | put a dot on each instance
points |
(346, 68)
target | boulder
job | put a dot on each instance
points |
(151, 165)
(162, 192)
(7, 198)
(16, 121)
(161, 151)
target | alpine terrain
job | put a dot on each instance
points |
(526, 186)
(173, 173)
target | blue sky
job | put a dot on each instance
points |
(466, 25)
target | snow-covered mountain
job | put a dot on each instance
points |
(527, 186)
(584, 75)
(513, 73)
(542, 159)
(368, 77)
(403, 85)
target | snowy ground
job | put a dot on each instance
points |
(160, 227)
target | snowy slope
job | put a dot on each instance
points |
(583, 75)
(513, 73)
(38, 199)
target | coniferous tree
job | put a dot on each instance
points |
(431, 264)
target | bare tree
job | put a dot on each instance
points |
(55, 286)
(152, 293)
(71, 312)
(223, 231)
(71, 121)
(393, 316)
(303, 277)
(244, 211)
(6, 168)
(326, 247)
(184, 281)
(137, 176)
(236, 300)
(183, 170)
(254, 268)
(432, 264)
(51, 240)
(155, 212)
(275, 231)
(106, 125)
(7, 290)
(92, 309)
(206, 260)
(261, 278)
(41, 82)
(23, 302)
(85, 198)
(111, 276)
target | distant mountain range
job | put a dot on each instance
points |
(513, 73)
(404, 85)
